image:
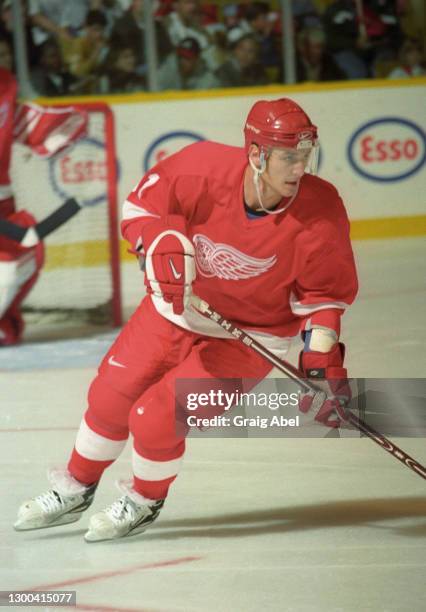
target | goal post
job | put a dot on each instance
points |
(82, 268)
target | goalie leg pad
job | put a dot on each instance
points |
(19, 270)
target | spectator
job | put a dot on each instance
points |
(6, 56)
(129, 31)
(259, 22)
(112, 10)
(185, 68)
(6, 20)
(313, 62)
(59, 18)
(256, 18)
(305, 14)
(383, 31)
(120, 75)
(84, 55)
(412, 19)
(243, 69)
(381, 20)
(410, 61)
(186, 21)
(231, 16)
(346, 43)
(50, 78)
(163, 7)
(217, 32)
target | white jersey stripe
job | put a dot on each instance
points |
(300, 309)
(131, 211)
(194, 321)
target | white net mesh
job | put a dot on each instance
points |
(77, 273)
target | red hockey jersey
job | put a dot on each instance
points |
(271, 274)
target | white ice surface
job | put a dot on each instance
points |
(318, 525)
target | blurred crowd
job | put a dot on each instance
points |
(98, 46)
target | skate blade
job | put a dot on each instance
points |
(66, 519)
(91, 537)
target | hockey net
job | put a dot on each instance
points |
(81, 276)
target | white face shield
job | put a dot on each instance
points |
(312, 164)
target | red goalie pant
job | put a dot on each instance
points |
(135, 391)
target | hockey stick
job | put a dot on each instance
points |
(306, 385)
(30, 236)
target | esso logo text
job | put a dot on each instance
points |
(165, 145)
(387, 149)
(81, 172)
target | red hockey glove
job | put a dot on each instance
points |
(170, 264)
(327, 372)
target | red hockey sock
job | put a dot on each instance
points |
(156, 489)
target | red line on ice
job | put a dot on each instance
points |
(112, 574)
(100, 608)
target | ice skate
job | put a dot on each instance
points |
(62, 504)
(129, 515)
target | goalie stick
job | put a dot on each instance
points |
(30, 236)
(306, 385)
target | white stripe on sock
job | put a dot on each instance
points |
(145, 469)
(92, 445)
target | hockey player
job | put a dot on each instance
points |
(45, 132)
(267, 245)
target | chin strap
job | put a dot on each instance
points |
(256, 176)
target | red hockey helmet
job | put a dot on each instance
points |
(279, 123)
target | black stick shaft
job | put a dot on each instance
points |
(246, 339)
(306, 385)
(12, 231)
(58, 217)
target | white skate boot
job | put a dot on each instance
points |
(62, 504)
(129, 515)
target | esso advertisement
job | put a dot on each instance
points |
(387, 149)
(81, 172)
(165, 145)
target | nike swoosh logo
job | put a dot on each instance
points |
(176, 274)
(112, 362)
